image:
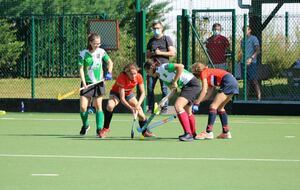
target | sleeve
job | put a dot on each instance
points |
(149, 44)
(170, 67)
(169, 41)
(80, 60)
(121, 81)
(106, 57)
(203, 75)
(255, 41)
(140, 79)
(226, 42)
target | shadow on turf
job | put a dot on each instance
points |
(77, 137)
(124, 138)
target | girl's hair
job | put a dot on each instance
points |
(91, 37)
(149, 63)
(197, 67)
(130, 66)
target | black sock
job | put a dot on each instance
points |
(142, 123)
(107, 118)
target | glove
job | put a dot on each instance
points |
(195, 108)
(108, 76)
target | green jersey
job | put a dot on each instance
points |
(93, 64)
(167, 73)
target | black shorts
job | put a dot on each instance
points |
(191, 90)
(93, 91)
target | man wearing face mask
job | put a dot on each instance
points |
(217, 46)
(160, 47)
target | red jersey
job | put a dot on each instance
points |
(213, 76)
(216, 46)
(124, 82)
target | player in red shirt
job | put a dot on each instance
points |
(227, 88)
(122, 91)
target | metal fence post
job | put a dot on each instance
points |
(32, 57)
(179, 20)
(185, 39)
(141, 43)
(244, 71)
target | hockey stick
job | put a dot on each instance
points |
(134, 123)
(75, 91)
(159, 123)
(157, 111)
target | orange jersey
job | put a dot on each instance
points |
(124, 82)
(213, 76)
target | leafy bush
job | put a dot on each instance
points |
(10, 47)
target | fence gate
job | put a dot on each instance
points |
(202, 22)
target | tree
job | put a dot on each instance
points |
(10, 47)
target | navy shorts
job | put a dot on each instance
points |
(117, 95)
(191, 90)
(229, 85)
(93, 91)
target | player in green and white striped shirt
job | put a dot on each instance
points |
(175, 76)
(91, 71)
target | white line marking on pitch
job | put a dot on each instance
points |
(290, 137)
(148, 158)
(44, 175)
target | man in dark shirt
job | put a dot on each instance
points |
(160, 47)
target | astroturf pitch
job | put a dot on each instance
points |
(41, 151)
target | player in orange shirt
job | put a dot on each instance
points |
(122, 91)
(228, 87)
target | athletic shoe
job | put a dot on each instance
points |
(84, 130)
(224, 136)
(148, 133)
(186, 137)
(204, 135)
(164, 110)
(103, 133)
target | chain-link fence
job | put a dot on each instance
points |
(278, 65)
(39, 54)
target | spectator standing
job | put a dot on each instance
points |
(252, 51)
(159, 48)
(217, 46)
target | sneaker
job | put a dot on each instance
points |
(186, 137)
(84, 130)
(224, 136)
(148, 133)
(103, 132)
(204, 135)
(164, 110)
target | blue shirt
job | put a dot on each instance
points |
(251, 43)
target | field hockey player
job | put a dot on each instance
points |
(228, 87)
(122, 91)
(174, 75)
(91, 72)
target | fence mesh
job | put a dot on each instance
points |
(46, 61)
(278, 71)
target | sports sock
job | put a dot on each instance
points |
(108, 115)
(184, 120)
(224, 120)
(142, 123)
(99, 120)
(192, 123)
(212, 114)
(84, 118)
